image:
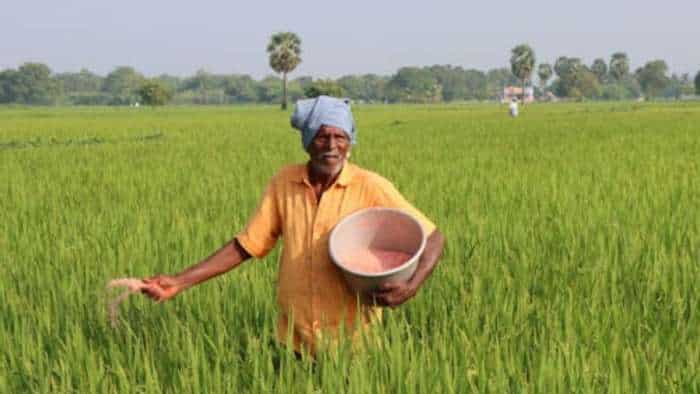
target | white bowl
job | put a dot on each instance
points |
(381, 228)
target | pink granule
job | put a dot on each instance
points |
(373, 261)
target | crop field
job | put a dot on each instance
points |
(572, 261)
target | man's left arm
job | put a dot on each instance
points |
(395, 294)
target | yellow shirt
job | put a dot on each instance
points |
(311, 292)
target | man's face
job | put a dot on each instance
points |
(328, 150)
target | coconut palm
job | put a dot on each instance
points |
(619, 65)
(522, 63)
(284, 50)
(544, 71)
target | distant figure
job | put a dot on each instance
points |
(513, 107)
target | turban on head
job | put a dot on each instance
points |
(309, 115)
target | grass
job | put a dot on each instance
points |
(572, 260)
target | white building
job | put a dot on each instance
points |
(510, 92)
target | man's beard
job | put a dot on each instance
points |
(330, 171)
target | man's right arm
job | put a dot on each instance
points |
(256, 239)
(228, 257)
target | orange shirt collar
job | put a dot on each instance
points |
(344, 179)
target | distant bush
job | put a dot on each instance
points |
(154, 92)
(323, 87)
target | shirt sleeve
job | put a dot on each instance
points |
(264, 227)
(388, 196)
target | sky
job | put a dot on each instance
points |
(339, 38)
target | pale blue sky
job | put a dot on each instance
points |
(352, 37)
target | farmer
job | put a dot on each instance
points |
(513, 107)
(302, 204)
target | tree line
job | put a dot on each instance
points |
(34, 83)
(609, 80)
(566, 77)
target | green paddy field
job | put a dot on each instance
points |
(572, 260)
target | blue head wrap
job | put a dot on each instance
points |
(309, 115)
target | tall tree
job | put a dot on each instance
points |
(653, 77)
(351, 84)
(122, 84)
(172, 82)
(586, 84)
(687, 87)
(201, 83)
(674, 88)
(476, 84)
(83, 81)
(369, 87)
(452, 81)
(522, 63)
(82, 88)
(269, 89)
(154, 92)
(561, 65)
(284, 50)
(600, 69)
(619, 65)
(697, 83)
(574, 78)
(414, 85)
(9, 86)
(33, 84)
(544, 72)
(241, 88)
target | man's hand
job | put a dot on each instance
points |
(162, 287)
(394, 294)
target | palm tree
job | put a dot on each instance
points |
(544, 71)
(284, 50)
(569, 71)
(522, 63)
(600, 69)
(619, 65)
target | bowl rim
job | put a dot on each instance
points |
(334, 235)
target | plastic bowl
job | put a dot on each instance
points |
(371, 229)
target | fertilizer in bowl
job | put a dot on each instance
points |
(374, 260)
(376, 245)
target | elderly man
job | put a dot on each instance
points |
(302, 203)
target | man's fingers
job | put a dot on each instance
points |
(383, 299)
(162, 281)
(390, 295)
(387, 287)
(153, 291)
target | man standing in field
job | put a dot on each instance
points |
(513, 107)
(302, 203)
